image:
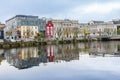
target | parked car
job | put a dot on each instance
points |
(12, 40)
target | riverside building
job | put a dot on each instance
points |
(22, 26)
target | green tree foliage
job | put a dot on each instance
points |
(39, 36)
(85, 32)
(118, 31)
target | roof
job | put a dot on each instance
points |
(116, 22)
(22, 16)
(96, 22)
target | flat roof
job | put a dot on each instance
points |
(22, 16)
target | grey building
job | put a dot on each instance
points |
(42, 25)
(19, 20)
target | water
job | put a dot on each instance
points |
(83, 61)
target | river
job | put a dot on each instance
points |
(82, 61)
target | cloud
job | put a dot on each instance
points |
(83, 10)
(98, 8)
(94, 11)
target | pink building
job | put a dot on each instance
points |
(49, 30)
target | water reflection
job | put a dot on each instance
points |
(27, 57)
(23, 58)
(105, 49)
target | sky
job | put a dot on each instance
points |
(82, 10)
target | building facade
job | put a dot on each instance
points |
(42, 25)
(22, 26)
(95, 29)
(116, 22)
(64, 29)
(49, 30)
(104, 29)
(25, 27)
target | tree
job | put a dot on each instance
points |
(115, 32)
(59, 33)
(76, 32)
(118, 31)
(108, 31)
(9, 33)
(86, 33)
(28, 32)
(39, 36)
(67, 32)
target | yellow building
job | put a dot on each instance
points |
(27, 31)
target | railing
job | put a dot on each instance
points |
(82, 37)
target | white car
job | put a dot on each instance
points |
(12, 40)
(9, 40)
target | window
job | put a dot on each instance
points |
(0, 34)
(36, 27)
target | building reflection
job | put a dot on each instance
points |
(67, 52)
(104, 49)
(23, 58)
(1, 55)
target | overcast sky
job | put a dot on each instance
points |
(82, 10)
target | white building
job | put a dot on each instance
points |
(99, 28)
(22, 26)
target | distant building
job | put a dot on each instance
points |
(22, 26)
(103, 29)
(98, 29)
(116, 21)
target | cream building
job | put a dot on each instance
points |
(64, 29)
(27, 31)
(95, 29)
(104, 30)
